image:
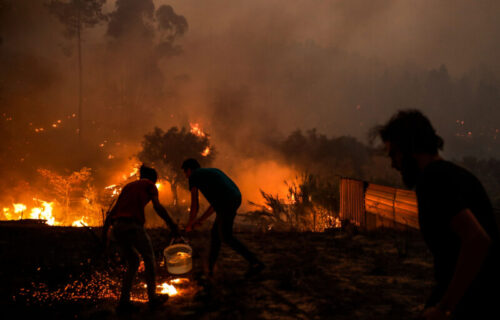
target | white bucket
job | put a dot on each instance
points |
(178, 258)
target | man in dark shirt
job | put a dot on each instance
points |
(127, 222)
(455, 217)
(224, 198)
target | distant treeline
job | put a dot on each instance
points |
(328, 158)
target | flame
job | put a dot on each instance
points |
(40, 212)
(19, 207)
(44, 212)
(134, 172)
(179, 280)
(158, 185)
(337, 223)
(7, 214)
(80, 223)
(115, 190)
(206, 152)
(168, 289)
(196, 130)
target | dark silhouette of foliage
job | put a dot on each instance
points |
(77, 14)
(166, 151)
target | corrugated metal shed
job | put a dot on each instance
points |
(370, 205)
(352, 203)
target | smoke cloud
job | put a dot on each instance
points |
(250, 72)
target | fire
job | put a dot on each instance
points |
(115, 190)
(206, 152)
(134, 172)
(44, 212)
(80, 223)
(180, 280)
(7, 214)
(168, 289)
(19, 207)
(196, 130)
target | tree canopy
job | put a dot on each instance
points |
(166, 150)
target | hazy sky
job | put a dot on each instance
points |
(250, 72)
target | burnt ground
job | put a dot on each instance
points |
(57, 273)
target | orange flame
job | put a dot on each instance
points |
(206, 152)
(196, 130)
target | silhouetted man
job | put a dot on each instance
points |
(224, 198)
(455, 217)
(127, 221)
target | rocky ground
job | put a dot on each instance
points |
(57, 273)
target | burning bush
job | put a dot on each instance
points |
(310, 205)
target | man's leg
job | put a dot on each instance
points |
(145, 248)
(215, 243)
(125, 236)
(226, 230)
(132, 259)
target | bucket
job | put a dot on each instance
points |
(178, 258)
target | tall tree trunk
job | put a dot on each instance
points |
(67, 202)
(80, 102)
(314, 220)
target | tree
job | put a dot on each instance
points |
(167, 150)
(75, 15)
(64, 186)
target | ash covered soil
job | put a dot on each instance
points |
(385, 274)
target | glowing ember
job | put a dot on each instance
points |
(196, 130)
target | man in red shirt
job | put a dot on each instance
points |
(127, 222)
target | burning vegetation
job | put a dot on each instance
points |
(91, 89)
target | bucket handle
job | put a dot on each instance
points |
(174, 238)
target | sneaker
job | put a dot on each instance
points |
(158, 301)
(254, 269)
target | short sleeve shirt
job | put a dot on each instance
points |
(219, 190)
(443, 190)
(133, 198)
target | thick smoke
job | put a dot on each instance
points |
(250, 72)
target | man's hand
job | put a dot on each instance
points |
(435, 313)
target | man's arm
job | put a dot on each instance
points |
(194, 208)
(105, 228)
(210, 210)
(162, 212)
(474, 247)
